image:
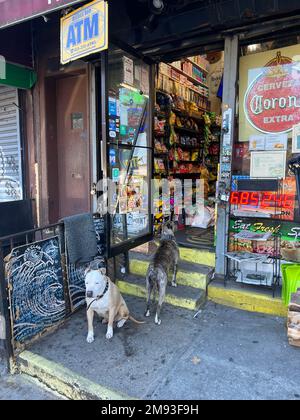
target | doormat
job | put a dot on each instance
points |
(196, 238)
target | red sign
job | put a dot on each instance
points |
(278, 205)
(13, 11)
(272, 101)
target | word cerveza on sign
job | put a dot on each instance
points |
(272, 101)
(84, 31)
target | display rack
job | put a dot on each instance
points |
(251, 264)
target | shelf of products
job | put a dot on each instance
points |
(189, 133)
(174, 81)
(189, 77)
(197, 65)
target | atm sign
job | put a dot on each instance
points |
(85, 31)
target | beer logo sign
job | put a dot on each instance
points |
(272, 101)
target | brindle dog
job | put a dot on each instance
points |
(165, 260)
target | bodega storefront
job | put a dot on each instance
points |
(264, 221)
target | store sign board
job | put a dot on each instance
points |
(289, 233)
(14, 11)
(272, 101)
(84, 31)
(269, 93)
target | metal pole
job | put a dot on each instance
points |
(229, 103)
(5, 325)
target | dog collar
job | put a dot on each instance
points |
(100, 296)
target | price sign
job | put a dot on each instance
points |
(278, 205)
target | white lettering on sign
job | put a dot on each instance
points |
(295, 233)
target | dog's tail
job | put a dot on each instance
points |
(135, 321)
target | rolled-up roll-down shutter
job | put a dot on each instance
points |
(11, 185)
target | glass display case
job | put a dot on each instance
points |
(129, 151)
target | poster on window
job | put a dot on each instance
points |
(296, 139)
(269, 93)
(268, 165)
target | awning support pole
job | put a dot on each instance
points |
(229, 103)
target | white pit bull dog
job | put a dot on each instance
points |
(104, 298)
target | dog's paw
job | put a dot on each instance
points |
(90, 338)
(174, 284)
(109, 334)
(121, 323)
(157, 320)
(147, 313)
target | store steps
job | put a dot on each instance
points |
(181, 296)
(198, 256)
(246, 298)
(189, 274)
(202, 257)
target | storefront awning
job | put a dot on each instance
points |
(18, 76)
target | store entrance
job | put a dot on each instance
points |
(187, 138)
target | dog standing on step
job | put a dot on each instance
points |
(165, 260)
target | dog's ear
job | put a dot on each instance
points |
(87, 270)
(102, 271)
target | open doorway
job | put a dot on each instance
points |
(187, 140)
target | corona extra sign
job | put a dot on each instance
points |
(272, 101)
(84, 31)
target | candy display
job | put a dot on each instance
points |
(187, 134)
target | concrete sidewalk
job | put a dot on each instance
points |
(20, 387)
(223, 354)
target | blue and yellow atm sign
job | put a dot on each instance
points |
(84, 31)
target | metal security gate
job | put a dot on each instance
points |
(11, 183)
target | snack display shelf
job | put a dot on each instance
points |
(189, 77)
(187, 130)
(196, 65)
(194, 162)
(159, 134)
(201, 108)
(188, 87)
(161, 154)
(160, 114)
(187, 146)
(187, 175)
(184, 113)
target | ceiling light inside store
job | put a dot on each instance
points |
(157, 6)
(253, 48)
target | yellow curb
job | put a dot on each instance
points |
(185, 278)
(64, 381)
(139, 291)
(247, 301)
(198, 256)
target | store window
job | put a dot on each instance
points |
(264, 216)
(129, 146)
(10, 146)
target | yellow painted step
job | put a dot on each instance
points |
(194, 279)
(197, 256)
(247, 301)
(186, 302)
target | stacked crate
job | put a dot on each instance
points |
(294, 320)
